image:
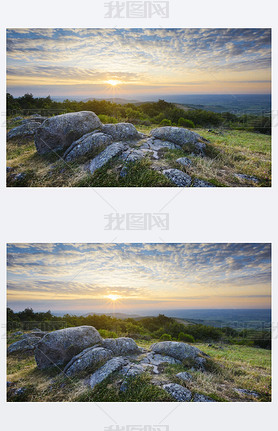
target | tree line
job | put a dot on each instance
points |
(146, 113)
(146, 328)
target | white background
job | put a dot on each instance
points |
(196, 215)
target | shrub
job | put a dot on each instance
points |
(186, 337)
(107, 334)
(183, 122)
(166, 337)
(107, 119)
(165, 122)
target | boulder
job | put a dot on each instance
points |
(121, 346)
(180, 136)
(107, 369)
(177, 350)
(130, 371)
(87, 144)
(157, 359)
(121, 131)
(181, 179)
(184, 161)
(59, 132)
(24, 130)
(59, 347)
(26, 345)
(178, 392)
(87, 360)
(106, 155)
(199, 398)
(186, 377)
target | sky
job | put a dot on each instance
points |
(105, 63)
(84, 278)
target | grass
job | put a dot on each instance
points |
(228, 368)
(229, 152)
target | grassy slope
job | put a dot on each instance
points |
(233, 152)
(229, 368)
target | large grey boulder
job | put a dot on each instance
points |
(121, 131)
(181, 179)
(59, 132)
(177, 350)
(25, 345)
(87, 360)
(107, 369)
(86, 144)
(106, 155)
(178, 392)
(59, 347)
(180, 136)
(121, 346)
(24, 130)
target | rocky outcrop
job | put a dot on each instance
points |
(181, 179)
(121, 131)
(24, 130)
(24, 346)
(106, 155)
(87, 360)
(59, 132)
(86, 144)
(177, 350)
(121, 346)
(180, 393)
(183, 137)
(59, 347)
(186, 377)
(107, 369)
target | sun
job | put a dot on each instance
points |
(113, 297)
(113, 82)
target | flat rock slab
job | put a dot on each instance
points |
(247, 178)
(136, 154)
(110, 367)
(24, 130)
(199, 398)
(88, 359)
(157, 144)
(86, 144)
(157, 359)
(178, 392)
(25, 345)
(184, 161)
(106, 155)
(186, 377)
(178, 177)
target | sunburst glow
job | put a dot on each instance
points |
(113, 297)
(113, 82)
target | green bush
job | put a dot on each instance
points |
(107, 334)
(166, 337)
(107, 119)
(165, 122)
(186, 337)
(183, 122)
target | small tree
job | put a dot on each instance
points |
(166, 122)
(183, 122)
(165, 337)
(186, 337)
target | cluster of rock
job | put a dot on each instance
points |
(82, 351)
(82, 136)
